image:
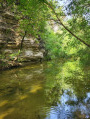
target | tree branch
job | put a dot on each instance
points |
(60, 22)
(23, 40)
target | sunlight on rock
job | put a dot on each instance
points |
(3, 103)
(3, 115)
(35, 88)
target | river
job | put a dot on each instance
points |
(51, 90)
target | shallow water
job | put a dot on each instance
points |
(52, 90)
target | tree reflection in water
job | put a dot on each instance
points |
(70, 91)
(46, 91)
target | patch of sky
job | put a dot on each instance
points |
(64, 4)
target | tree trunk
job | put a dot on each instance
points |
(23, 40)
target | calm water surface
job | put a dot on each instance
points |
(52, 90)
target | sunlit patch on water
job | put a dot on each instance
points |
(35, 88)
(3, 103)
(23, 97)
(6, 113)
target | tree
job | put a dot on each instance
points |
(35, 13)
(61, 23)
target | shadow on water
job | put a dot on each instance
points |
(52, 90)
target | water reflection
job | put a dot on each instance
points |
(70, 108)
(46, 91)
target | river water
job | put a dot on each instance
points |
(51, 90)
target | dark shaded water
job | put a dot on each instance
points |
(50, 90)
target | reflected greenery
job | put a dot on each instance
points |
(53, 90)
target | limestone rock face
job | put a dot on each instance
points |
(10, 42)
(31, 50)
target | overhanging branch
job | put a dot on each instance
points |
(60, 22)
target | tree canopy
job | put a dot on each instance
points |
(37, 17)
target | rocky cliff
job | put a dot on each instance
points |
(10, 42)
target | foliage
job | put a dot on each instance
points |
(33, 15)
(36, 16)
(79, 8)
(60, 44)
(53, 44)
